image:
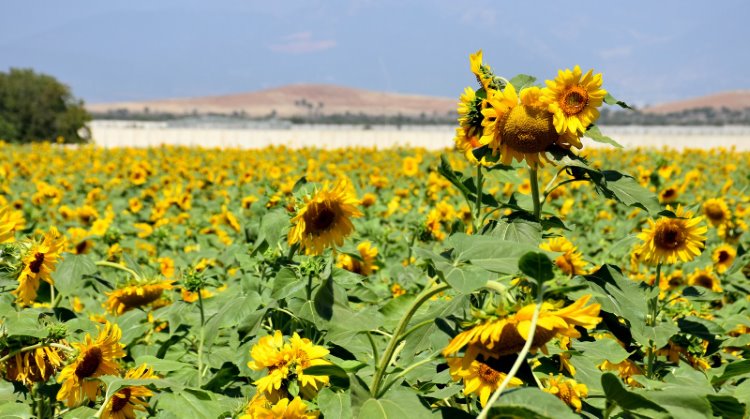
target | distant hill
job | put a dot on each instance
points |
(732, 100)
(301, 100)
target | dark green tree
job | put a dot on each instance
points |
(36, 107)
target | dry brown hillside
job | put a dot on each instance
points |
(286, 101)
(735, 100)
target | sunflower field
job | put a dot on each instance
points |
(520, 275)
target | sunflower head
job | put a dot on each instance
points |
(571, 261)
(136, 295)
(325, 219)
(573, 99)
(669, 239)
(723, 257)
(126, 401)
(705, 278)
(40, 261)
(35, 366)
(567, 390)
(716, 211)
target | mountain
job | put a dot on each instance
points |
(295, 100)
(734, 100)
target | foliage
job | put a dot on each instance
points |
(35, 107)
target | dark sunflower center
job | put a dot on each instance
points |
(488, 375)
(675, 281)
(90, 362)
(714, 212)
(36, 265)
(323, 220)
(724, 256)
(669, 193)
(669, 235)
(704, 281)
(574, 100)
(121, 399)
(528, 130)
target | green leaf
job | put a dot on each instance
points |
(628, 400)
(161, 365)
(536, 265)
(519, 231)
(602, 349)
(522, 81)
(233, 311)
(323, 299)
(453, 177)
(335, 404)
(272, 227)
(464, 279)
(337, 375)
(286, 283)
(682, 403)
(69, 273)
(611, 100)
(726, 406)
(630, 192)
(397, 404)
(200, 404)
(530, 403)
(733, 370)
(77, 413)
(595, 134)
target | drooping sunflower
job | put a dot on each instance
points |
(566, 389)
(507, 335)
(518, 126)
(716, 211)
(325, 219)
(363, 266)
(136, 295)
(669, 239)
(39, 263)
(478, 378)
(35, 366)
(124, 403)
(705, 278)
(95, 358)
(723, 257)
(573, 99)
(571, 261)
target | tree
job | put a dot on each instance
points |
(35, 107)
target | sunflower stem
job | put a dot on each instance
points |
(397, 335)
(201, 337)
(653, 311)
(408, 369)
(478, 205)
(533, 179)
(521, 355)
(118, 266)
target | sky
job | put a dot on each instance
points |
(648, 51)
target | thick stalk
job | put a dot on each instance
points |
(478, 205)
(533, 179)
(653, 312)
(520, 360)
(397, 335)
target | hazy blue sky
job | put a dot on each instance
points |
(649, 51)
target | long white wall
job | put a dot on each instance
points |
(126, 134)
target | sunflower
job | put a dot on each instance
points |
(506, 336)
(571, 261)
(705, 278)
(124, 403)
(478, 377)
(39, 263)
(668, 239)
(261, 408)
(10, 222)
(325, 219)
(566, 389)
(286, 361)
(669, 195)
(482, 71)
(723, 257)
(35, 366)
(365, 265)
(573, 98)
(519, 127)
(625, 369)
(716, 211)
(411, 166)
(135, 295)
(731, 230)
(470, 121)
(95, 358)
